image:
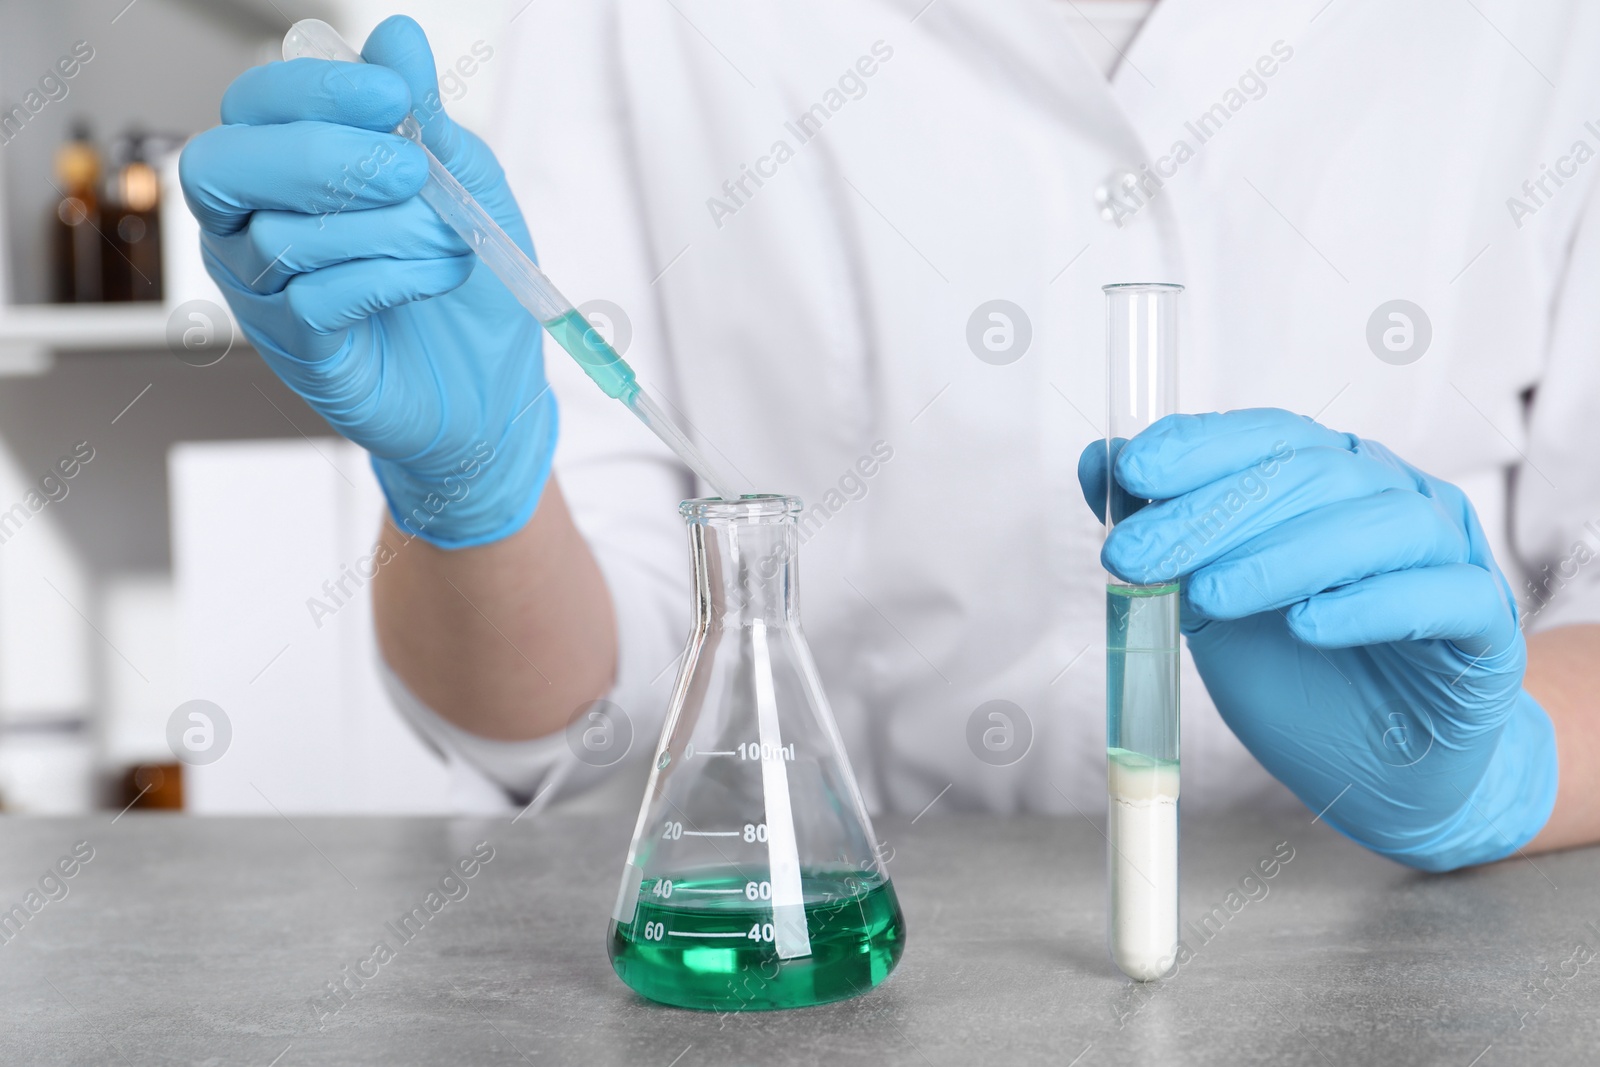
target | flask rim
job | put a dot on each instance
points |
(1142, 287)
(749, 508)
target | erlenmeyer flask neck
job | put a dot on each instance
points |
(746, 560)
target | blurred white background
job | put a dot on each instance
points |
(179, 563)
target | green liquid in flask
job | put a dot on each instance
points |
(709, 946)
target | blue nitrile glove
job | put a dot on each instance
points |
(1350, 624)
(361, 299)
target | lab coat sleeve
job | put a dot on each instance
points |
(561, 132)
(485, 775)
(1556, 499)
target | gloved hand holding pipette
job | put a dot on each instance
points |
(362, 299)
(1350, 623)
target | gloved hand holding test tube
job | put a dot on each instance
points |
(314, 39)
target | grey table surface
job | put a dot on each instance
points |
(210, 940)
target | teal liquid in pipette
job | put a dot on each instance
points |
(599, 360)
(605, 366)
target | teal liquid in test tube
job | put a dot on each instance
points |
(314, 39)
(1141, 656)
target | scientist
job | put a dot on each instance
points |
(860, 246)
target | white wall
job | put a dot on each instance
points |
(46, 657)
(139, 614)
(258, 528)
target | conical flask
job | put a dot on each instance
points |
(752, 880)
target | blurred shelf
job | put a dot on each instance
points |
(65, 327)
(32, 335)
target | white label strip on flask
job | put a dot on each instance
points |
(627, 895)
(790, 936)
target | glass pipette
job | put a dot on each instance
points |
(316, 39)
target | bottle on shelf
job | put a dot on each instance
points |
(151, 787)
(76, 239)
(131, 222)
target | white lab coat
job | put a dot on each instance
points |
(829, 311)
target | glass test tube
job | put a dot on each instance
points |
(1141, 655)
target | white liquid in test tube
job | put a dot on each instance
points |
(1143, 828)
(1142, 758)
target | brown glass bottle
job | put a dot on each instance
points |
(132, 225)
(79, 250)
